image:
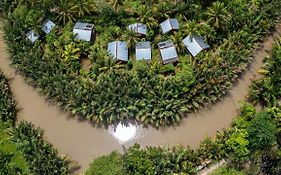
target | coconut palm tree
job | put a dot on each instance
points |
(108, 64)
(191, 28)
(130, 38)
(146, 17)
(116, 4)
(177, 40)
(83, 7)
(217, 15)
(66, 11)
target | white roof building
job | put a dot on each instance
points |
(138, 28)
(195, 44)
(84, 31)
(32, 36)
(170, 24)
(168, 52)
(48, 25)
(118, 50)
(143, 51)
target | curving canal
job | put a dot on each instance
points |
(83, 142)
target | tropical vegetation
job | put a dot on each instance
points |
(150, 93)
(267, 91)
(7, 104)
(12, 161)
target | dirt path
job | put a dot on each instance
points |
(83, 143)
(212, 168)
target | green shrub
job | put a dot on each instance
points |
(42, 158)
(111, 164)
(7, 104)
(152, 98)
(12, 161)
(168, 69)
(262, 131)
(268, 89)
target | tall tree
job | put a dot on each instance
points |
(66, 11)
(116, 4)
(217, 15)
(262, 131)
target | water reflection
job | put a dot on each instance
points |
(125, 133)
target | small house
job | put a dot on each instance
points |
(32, 36)
(195, 44)
(143, 51)
(168, 52)
(118, 50)
(84, 31)
(170, 24)
(138, 28)
(48, 26)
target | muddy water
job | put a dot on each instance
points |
(83, 143)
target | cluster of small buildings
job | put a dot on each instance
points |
(119, 49)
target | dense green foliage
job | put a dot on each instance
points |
(262, 132)
(149, 93)
(153, 160)
(12, 161)
(268, 89)
(41, 156)
(113, 162)
(150, 161)
(241, 144)
(7, 104)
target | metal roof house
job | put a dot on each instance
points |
(84, 31)
(195, 44)
(168, 52)
(170, 24)
(138, 28)
(143, 51)
(32, 36)
(48, 25)
(118, 50)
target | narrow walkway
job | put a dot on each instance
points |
(83, 143)
(212, 168)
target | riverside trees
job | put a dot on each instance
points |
(110, 92)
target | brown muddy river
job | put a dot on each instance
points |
(83, 142)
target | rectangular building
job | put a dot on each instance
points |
(138, 28)
(32, 36)
(118, 50)
(168, 52)
(169, 25)
(48, 25)
(143, 51)
(84, 31)
(195, 44)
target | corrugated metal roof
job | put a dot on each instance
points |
(201, 42)
(168, 51)
(170, 24)
(32, 36)
(138, 28)
(84, 31)
(83, 26)
(118, 50)
(195, 44)
(48, 25)
(175, 24)
(143, 50)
